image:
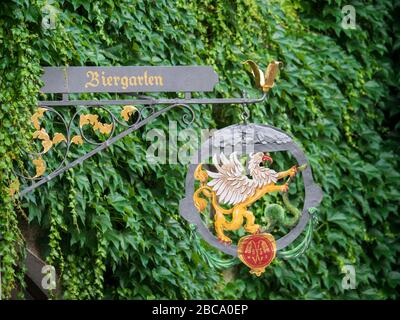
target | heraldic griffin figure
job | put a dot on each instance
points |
(231, 186)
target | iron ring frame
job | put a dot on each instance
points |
(313, 192)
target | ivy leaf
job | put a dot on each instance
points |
(394, 278)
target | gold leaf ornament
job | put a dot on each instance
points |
(14, 187)
(265, 81)
(47, 143)
(40, 166)
(93, 120)
(128, 111)
(105, 128)
(77, 139)
(97, 125)
(43, 135)
(37, 116)
(59, 137)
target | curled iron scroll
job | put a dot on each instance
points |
(265, 139)
(138, 116)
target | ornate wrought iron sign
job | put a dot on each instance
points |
(226, 188)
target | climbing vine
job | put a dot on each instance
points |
(19, 73)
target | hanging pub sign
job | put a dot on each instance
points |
(233, 171)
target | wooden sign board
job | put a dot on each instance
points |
(129, 79)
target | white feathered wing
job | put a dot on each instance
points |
(231, 184)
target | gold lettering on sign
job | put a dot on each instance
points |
(145, 78)
(125, 82)
(159, 80)
(103, 80)
(132, 81)
(94, 79)
(109, 81)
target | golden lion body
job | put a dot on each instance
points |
(238, 211)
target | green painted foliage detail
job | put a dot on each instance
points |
(113, 225)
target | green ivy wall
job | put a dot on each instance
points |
(112, 227)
